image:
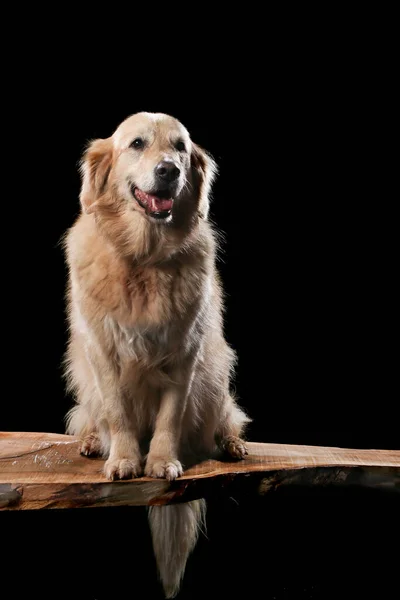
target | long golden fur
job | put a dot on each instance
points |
(147, 360)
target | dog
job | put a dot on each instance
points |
(147, 360)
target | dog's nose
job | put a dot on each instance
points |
(167, 171)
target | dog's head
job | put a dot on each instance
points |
(151, 166)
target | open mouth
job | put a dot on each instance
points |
(158, 205)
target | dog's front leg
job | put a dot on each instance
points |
(124, 459)
(162, 460)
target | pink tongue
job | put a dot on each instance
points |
(153, 203)
(159, 204)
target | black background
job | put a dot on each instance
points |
(309, 298)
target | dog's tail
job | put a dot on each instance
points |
(175, 530)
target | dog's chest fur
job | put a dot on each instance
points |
(149, 313)
(142, 311)
(158, 310)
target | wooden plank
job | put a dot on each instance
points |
(45, 470)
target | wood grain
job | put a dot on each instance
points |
(45, 470)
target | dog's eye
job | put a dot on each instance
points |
(138, 143)
(180, 146)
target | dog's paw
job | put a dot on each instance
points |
(168, 469)
(234, 446)
(91, 445)
(122, 468)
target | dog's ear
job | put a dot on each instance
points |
(95, 169)
(204, 171)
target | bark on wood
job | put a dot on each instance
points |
(45, 470)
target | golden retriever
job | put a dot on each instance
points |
(147, 360)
